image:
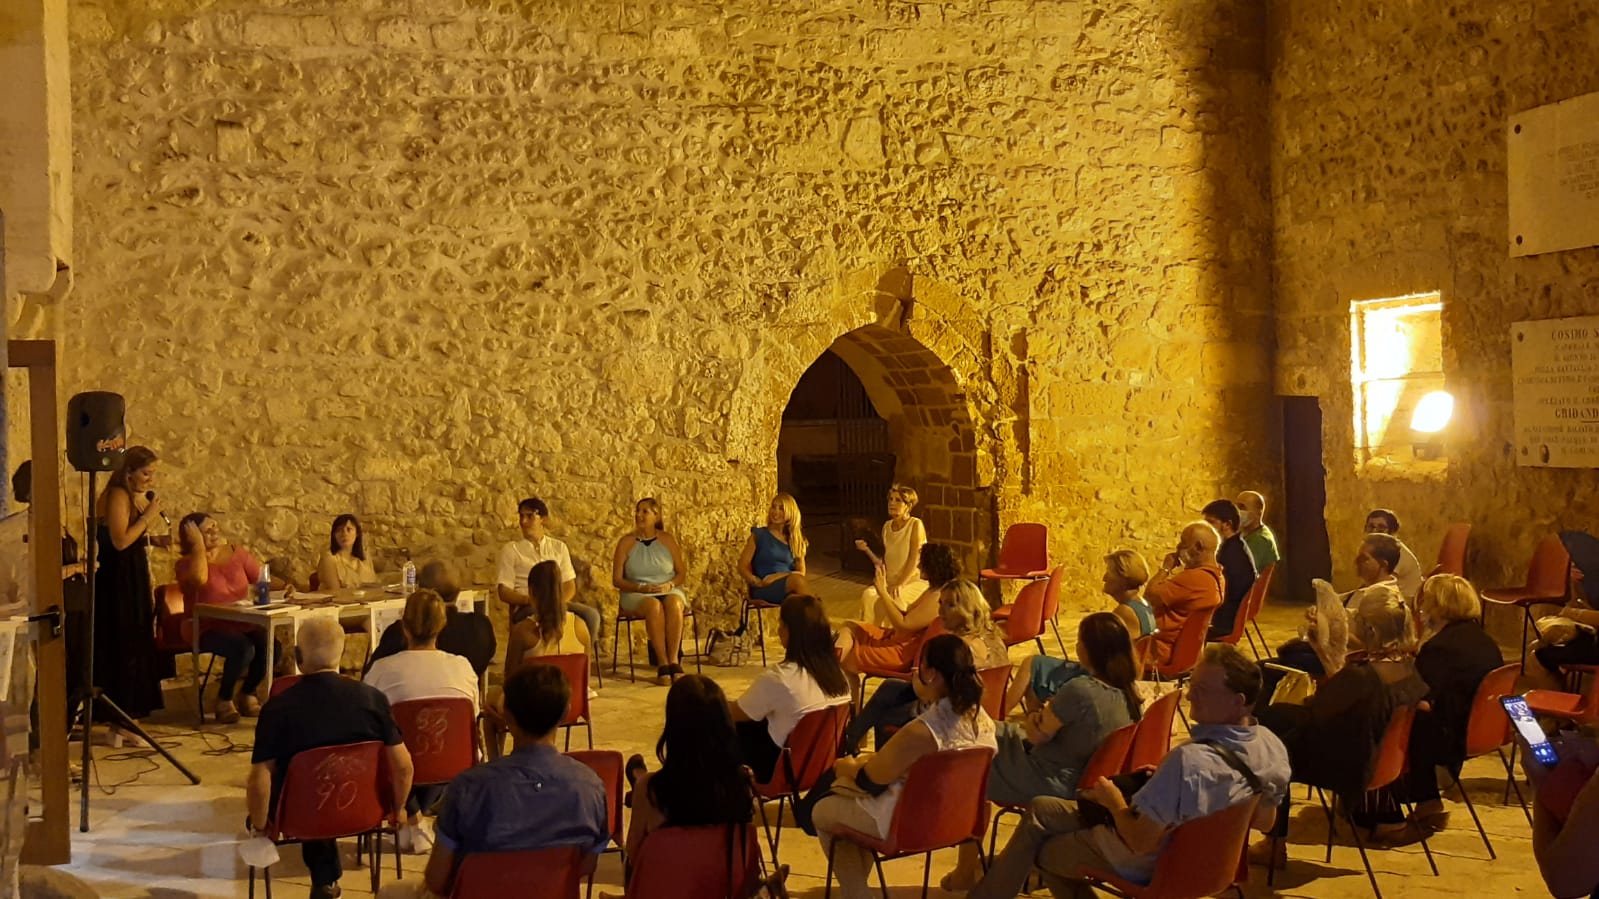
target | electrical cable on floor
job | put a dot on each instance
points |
(217, 743)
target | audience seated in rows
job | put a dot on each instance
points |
(862, 792)
(550, 629)
(1453, 661)
(1333, 737)
(963, 613)
(533, 798)
(702, 780)
(647, 567)
(1252, 526)
(423, 671)
(469, 635)
(772, 562)
(809, 678)
(518, 558)
(1046, 753)
(345, 565)
(903, 539)
(866, 646)
(1038, 677)
(1237, 565)
(1189, 582)
(1195, 779)
(322, 709)
(213, 571)
(1407, 571)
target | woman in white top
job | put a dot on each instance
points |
(550, 630)
(345, 565)
(423, 671)
(808, 679)
(903, 537)
(867, 788)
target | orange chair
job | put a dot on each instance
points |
(608, 764)
(1391, 762)
(1548, 581)
(1050, 611)
(329, 793)
(696, 862)
(174, 636)
(809, 752)
(995, 680)
(555, 873)
(1452, 552)
(629, 619)
(1250, 612)
(1201, 858)
(1488, 730)
(1107, 761)
(279, 684)
(440, 734)
(1582, 708)
(1023, 554)
(1152, 740)
(1185, 652)
(1023, 619)
(576, 667)
(941, 805)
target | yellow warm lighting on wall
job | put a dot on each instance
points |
(1433, 412)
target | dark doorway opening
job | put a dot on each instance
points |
(834, 456)
(1306, 547)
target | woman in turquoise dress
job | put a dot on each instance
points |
(648, 568)
(773, 561)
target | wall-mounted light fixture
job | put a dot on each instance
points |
(1432, 415)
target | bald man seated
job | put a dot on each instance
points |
(1252, 527)
(322, 709)
(1190, 582)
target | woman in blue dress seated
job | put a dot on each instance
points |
(773, 561)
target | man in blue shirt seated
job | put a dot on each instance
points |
(1194, 780)
(533, 798)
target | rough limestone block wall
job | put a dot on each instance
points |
(416, 260)
(1389, 178)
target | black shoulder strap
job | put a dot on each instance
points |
(1237, 764)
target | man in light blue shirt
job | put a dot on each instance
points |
(1192, 781)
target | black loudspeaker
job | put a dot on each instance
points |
(96, 435)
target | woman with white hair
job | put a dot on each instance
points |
(1333, 738)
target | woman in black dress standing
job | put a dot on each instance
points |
(126, 664)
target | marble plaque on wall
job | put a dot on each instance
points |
(1554, 176)
(1554, 367)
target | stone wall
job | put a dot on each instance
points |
(1389, 178)
(416, 260)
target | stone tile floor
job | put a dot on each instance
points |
(157, 836)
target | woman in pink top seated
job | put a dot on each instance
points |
(217, 572)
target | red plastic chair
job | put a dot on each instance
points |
(1023, 619)
(608, 764)
(995, 680)
(576, 668)
(1051, 608)
(440, 734)
(624, 617)
(1186, 651)
(1153, 739)
(1201, 858)
(1548, 581)
(279, 684)
(174, 636)
(941, 805)
(809, 752)
(1023, 554)
(695, 863)
(329, 793)
(1488, 730)
(554, 873)
(1582, 708)
(1452, 552)
(1107, 761)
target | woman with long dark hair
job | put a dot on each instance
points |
(1045, 755)
(809, 678)
(865, 790)
(345, 565)
(126, 663)
(702, 780)
(548, 630)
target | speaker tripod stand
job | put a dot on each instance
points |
(92, 696)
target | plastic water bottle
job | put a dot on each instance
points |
(409, 577)
(263, 586)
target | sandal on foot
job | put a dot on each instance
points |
(634, 768)
(663, 676)
(226, 713)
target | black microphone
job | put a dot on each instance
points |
(149, 496)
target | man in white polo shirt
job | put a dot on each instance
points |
(518, 557)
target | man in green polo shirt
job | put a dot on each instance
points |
(1261, 541)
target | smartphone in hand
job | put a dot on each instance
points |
(1531, 733)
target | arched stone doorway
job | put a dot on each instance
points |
(928, 440)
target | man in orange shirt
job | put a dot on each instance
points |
(1190, 582)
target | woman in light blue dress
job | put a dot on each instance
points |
(648, 568)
